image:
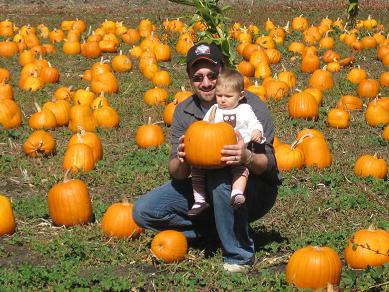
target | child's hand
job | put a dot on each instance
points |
(256, 136)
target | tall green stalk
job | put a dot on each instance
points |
(216, 32)
(352, 11)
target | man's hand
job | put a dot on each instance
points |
(181, 149)
(235, 154)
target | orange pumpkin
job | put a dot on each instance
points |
(42, 119)
(368, 88)
(10, 114)
(106, 116)
(39, 142)
(376, 114)
(367, 247)
(316, 151)
(81, 116)
(69, 203)
(314, 267)
(356, 75)
(303, 106)
(89, 138)
(169, 246)
(338, 118)
(78, 157)
(288, 156)
(168, 112)
(60, 109)
(321, 79)
(118, 222)
(349, 102)
(149, 135)
(370, 165)
(205, 140)
(7, 217)
(155, 96)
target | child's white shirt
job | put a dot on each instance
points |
(241, 118)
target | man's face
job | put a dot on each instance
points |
(203, 75)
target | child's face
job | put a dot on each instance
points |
(228, 98)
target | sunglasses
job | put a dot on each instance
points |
(199, 77)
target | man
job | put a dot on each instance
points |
(166, 207)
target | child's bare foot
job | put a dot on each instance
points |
(237, 201)
(197, 209)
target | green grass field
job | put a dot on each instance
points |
(314, 207)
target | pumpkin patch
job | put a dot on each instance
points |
(92, 89)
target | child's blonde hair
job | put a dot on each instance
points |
(231, 79)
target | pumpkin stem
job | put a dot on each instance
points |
(183, 88)
(211, 118)
(372, 227)
(81, 130)
(307, 135)
(65, 177)
(125, 200)
(38, 108)
(149, 121)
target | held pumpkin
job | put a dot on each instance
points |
(367, 247)
(314, 267)
(7, 218)
(169, 246)
(205, 140)
(69, 203)
(118, 222)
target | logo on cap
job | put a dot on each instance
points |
(203, 49)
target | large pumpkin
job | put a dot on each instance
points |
(118, 222)
(7, 218)
(367, 247)
(314, 267)
(205, 140)
(316, 151)
(169, 246)
(69, 203)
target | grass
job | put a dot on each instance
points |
(318, 207)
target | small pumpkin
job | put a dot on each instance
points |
(303, 106)
(321, 79)
(70, 203)
(168, 112)
(161, 78)
(350, 103)
(39, 142)
(117, 221)
(376, 114)
(155, 96)
(10, 114)
(316, 151)
(60, 109)
(314, 267)
(289, 157)
(356, 75)
(106, 116)
(78, 157)
(7, 217)
(370, 165)
(42, 119)
(149, 135)
(367, 247)
(89, 138)
(169, 246)
(368, 88)
(338, 118)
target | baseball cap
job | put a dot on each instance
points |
(204, 51)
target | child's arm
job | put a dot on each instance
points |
(256, 136)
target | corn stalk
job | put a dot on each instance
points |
(208, 12)
(352, 11)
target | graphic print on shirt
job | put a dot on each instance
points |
(230, 119)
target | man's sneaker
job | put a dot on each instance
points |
(235, 268)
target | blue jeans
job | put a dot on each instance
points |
(166, 206)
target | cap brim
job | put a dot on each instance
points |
(203, 58)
